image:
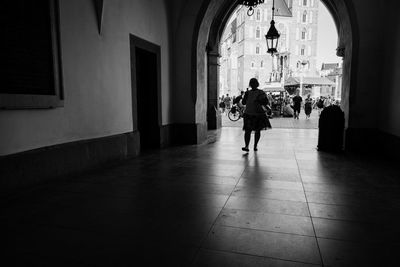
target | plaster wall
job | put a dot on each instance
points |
(97, 78)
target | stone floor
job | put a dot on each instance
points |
(281, 122)
(212, 205)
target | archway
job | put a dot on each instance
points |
(211, 23)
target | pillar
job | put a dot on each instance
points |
(213, 114)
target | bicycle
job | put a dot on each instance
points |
(235, 113)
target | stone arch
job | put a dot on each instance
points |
(212, 21)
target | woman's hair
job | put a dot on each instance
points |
(253, 83)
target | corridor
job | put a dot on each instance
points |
(212, 205)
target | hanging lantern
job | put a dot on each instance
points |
(251, 4)
(272, 39)
(272, 35)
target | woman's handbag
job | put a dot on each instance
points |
(267, 109)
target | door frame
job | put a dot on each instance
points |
(137, 42)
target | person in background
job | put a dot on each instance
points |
(222, 104)
(297, 104)
(308, 106)
(238, 100)
(270, 99)
(320, 105)
(227, 101)
(254, 117)
(328, 101)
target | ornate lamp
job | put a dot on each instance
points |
(272, 35)
(251, 4)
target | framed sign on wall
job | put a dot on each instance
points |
(31, 55)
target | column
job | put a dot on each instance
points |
(213, 115)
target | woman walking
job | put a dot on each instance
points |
(255, 117)
(308, 106)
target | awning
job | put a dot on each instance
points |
(273, 89)
(311, 81)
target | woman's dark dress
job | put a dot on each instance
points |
(308, 107)
(255, 118)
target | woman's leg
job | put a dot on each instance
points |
(247, 135)
(257, 136)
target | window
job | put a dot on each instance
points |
(33, 41)
(258, 15)
(258, 49)
(304, 34)
(303, 50)
(252, 65)
(262, 64)
(304, 2)
(258, 33)
(305, 16)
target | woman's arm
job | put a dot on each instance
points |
(262, 99)
(244, 99)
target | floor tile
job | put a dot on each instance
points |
(336, 199)
(269, 175)
(276, 245)
(278, 194)
(213, 258)
(342, 253)
(266, 221)
(268, 206)
(272, 184)
(355, 231)
(364, 213)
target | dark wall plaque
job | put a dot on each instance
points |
(30, 55)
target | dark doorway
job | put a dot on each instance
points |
(146, 100)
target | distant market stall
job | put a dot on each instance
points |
(278, 94)
(294, 83)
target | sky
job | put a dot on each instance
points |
(327, 37)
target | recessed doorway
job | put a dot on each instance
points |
(145, 67)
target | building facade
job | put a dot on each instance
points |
(333, 71)
(243, 47)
